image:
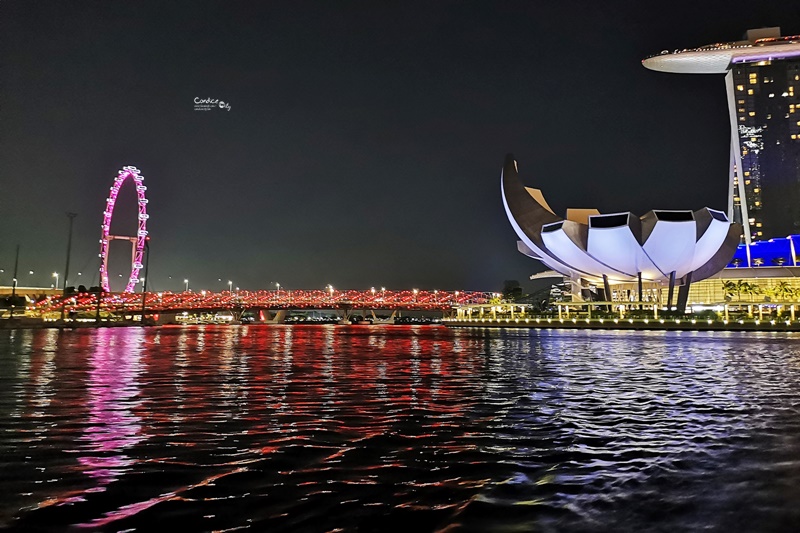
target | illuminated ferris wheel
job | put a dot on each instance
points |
(138, 241)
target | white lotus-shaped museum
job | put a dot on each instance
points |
(660, 246)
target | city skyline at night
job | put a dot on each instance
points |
(355, 147)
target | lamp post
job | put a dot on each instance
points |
(230, 287)
(185, 285)
(14, 280)
(14, 285)
(55, 275)
(71, 217)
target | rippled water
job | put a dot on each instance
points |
(314, 428)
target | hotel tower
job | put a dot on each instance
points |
(762, 79)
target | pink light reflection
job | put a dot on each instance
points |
(112, 389)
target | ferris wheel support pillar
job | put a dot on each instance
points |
(146, 274)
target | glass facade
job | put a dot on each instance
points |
(767, 99)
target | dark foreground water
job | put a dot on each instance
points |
(398, 429)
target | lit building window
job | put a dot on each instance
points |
(740, 87)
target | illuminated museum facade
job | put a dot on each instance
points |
(620, 253)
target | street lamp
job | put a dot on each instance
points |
(230, 287)
(55, 275)
(186, 285)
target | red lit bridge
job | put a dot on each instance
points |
(154, 303)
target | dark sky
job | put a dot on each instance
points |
(364, 141)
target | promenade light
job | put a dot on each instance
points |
(55, 275)
(186, 285)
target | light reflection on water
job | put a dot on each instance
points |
(317, 428)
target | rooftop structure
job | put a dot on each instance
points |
(762, 75)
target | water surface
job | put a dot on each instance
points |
(411, 428)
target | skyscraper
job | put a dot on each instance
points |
(762, 78)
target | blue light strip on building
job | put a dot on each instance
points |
(771, 253)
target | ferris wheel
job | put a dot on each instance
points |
(138, 241)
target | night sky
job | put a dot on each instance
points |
(364, 140)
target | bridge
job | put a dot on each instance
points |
(154, 303)
(267, 305)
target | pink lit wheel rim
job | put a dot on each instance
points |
(137, 242)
